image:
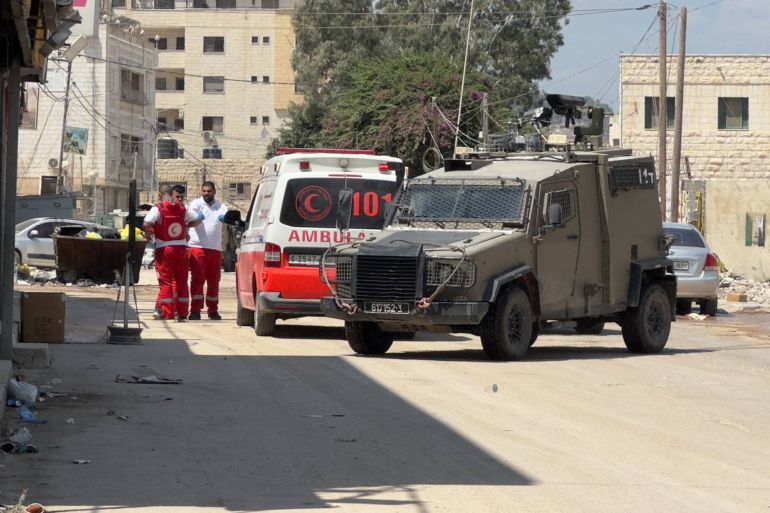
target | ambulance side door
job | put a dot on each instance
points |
(251, 251)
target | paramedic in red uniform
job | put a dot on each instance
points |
(168, 221)
(206, 252)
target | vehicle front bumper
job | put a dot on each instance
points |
(272, 302)
(704, 286)
(440, 313)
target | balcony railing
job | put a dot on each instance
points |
(211, 4)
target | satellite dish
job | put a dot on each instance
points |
(53, 163)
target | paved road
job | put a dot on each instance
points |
(297, 422)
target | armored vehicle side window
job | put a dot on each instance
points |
(564, 198)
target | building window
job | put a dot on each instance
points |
(129, 145)
(733, 113)
(213, 44)
(214, 124)
(265, 120)
(160, 84)
(160, 44)
(651, 108)
(255, 40)
(180, 83)
(265, 79)
(212, 153)
(213, 84)
(266, 40)
(253, 120)
(131, 89)
(162, 123)
(164, 4)
(225, 4)
(179, 124)
(254, 79)
(180, 43)
(270, 4)
(239, 191)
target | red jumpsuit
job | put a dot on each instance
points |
(171, 260)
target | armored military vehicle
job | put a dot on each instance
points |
(497, 245)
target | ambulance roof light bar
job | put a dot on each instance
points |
(289, 151)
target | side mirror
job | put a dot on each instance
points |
(33, 234)
(344, 208)
(233, 218)
(554, 215)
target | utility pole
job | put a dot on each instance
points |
(60, 179)
(662, 114)
(677, 156)
(462, 84)
(485, 120)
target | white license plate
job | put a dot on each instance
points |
(681, 266)
(386, 307)
(306, 260)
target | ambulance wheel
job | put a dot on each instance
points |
(264, 323)
(367, 338)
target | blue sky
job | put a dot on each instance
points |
(726, 27)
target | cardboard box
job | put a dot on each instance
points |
(42, 317)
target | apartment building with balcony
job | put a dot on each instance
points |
(112, 99)
(223, 85)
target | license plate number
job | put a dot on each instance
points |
(681, 266)
(302, 259)
(387, 308)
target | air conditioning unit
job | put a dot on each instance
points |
(208, 135)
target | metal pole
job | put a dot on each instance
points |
(675, 163)
(662, 114)
(485, 120)
(9, 149)
(60, 179)
(462, 84)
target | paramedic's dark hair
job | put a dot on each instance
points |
(209, 184)
(179, 189)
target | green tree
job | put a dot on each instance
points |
(389, 106)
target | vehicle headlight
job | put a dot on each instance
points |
(439, 270)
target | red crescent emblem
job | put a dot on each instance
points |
(309, 203)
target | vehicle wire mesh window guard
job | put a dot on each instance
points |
(566, 199)
(632, 177)
(483, 202)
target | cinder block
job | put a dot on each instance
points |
(31, 356)
(737, 298)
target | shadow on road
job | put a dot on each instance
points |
(244, 433)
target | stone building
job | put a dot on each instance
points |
(725, 177)
(111, 97)
(223, 87)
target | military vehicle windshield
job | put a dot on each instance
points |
(451, 203)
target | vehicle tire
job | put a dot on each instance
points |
(709, 307)
(683, 306)
(535, 333)
(646, 328)
(264, 323)
(367, 338)
(405, 335)
(506, 331)
(243, 316)
(589, 327)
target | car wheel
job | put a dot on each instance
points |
(535, 333)
(709, 307)
(243, 316)
(506, 331)
(264, 323)
(367, 338)
(589, 327)
(646, 328)
(683, 306)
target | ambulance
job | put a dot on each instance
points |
(292, 221)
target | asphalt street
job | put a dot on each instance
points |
(298, 422)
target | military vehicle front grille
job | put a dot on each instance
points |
(393, 278)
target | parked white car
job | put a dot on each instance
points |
(696, 269)
(34, 239)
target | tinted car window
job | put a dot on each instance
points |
(25, 224)
(312, 202)
(45, 230)
(685, 237)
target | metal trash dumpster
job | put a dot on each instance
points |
(101, 260)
